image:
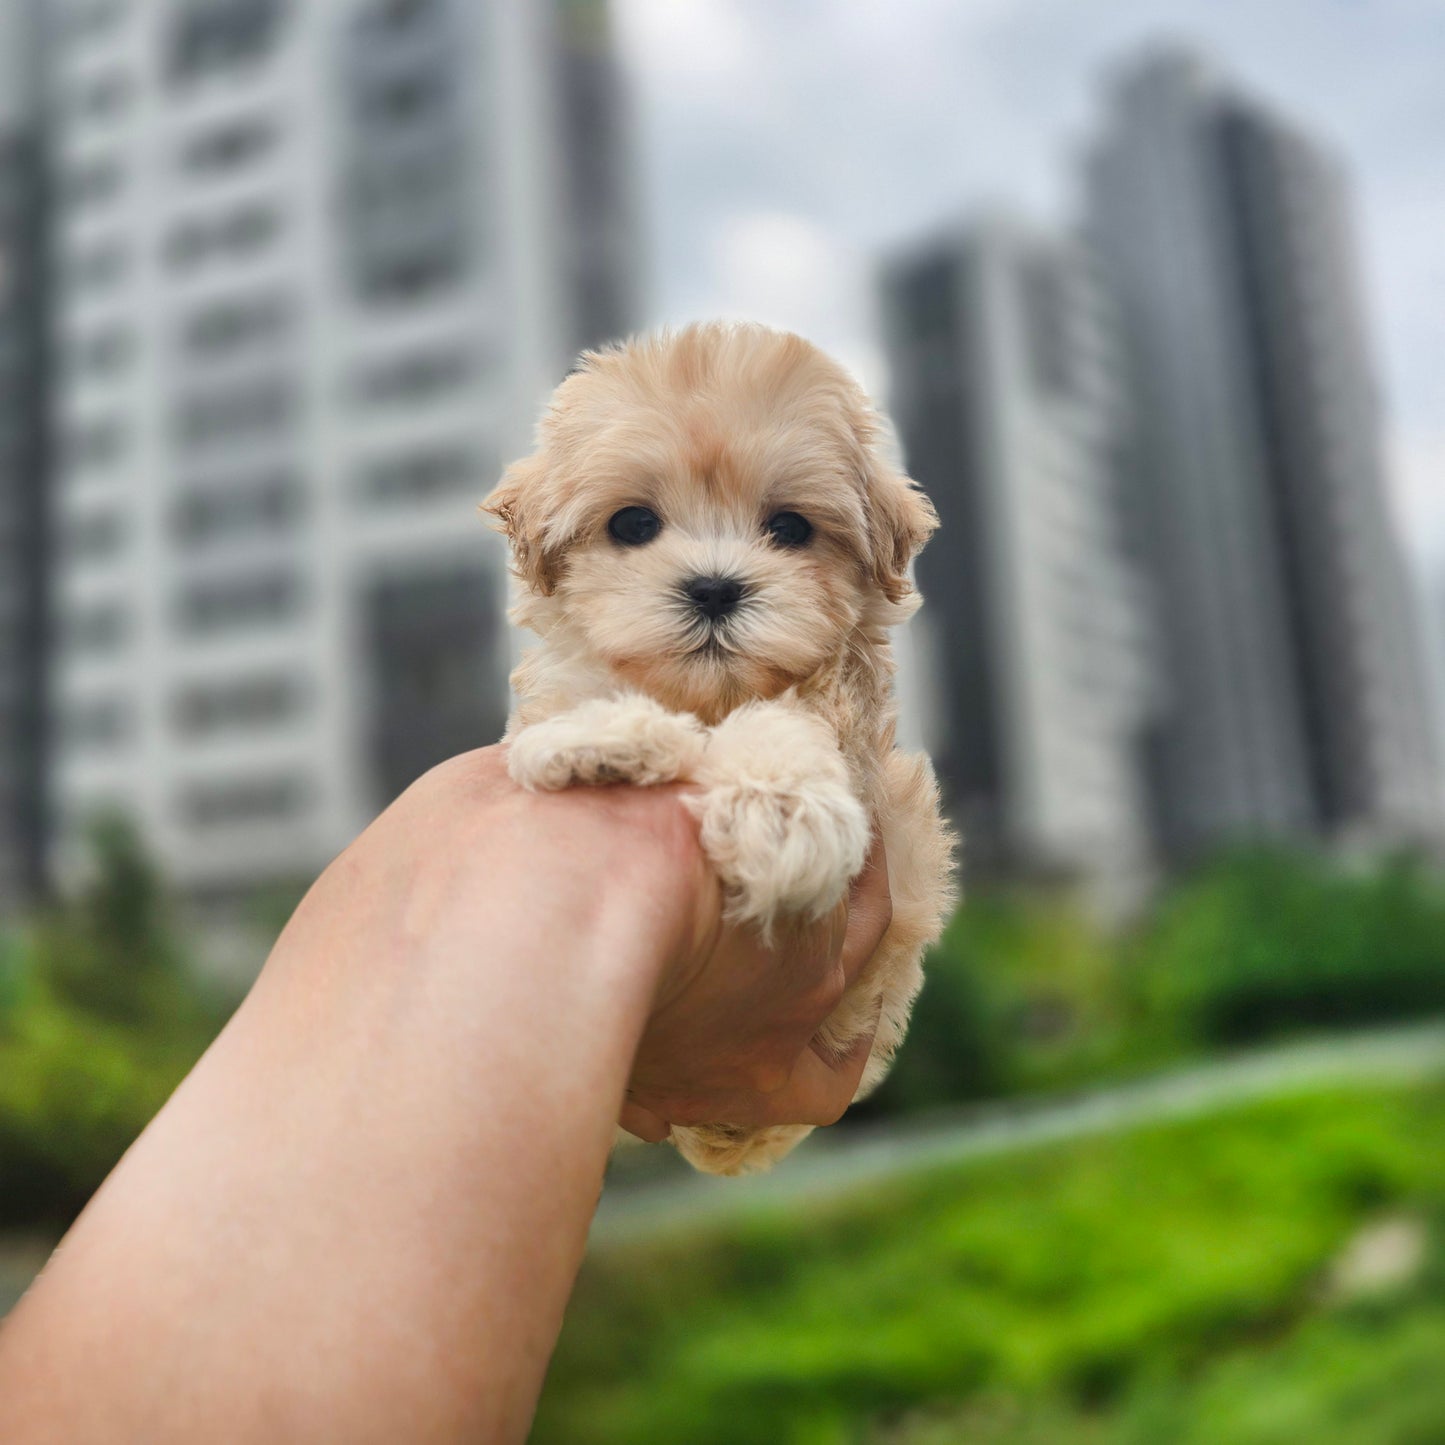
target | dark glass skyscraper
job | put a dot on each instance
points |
(24, 543)
(1297, 701)
(1007, 397)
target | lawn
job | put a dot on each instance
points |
(1167, 1284)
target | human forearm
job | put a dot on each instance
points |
(352, 1213)
(360, 1216)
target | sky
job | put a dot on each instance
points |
(787, 144)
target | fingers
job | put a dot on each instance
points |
(643, 1123)
(856, 1053)
(822, 1086)
(759, 1079)
(819, 1089)
(845, 941)
(870, 912)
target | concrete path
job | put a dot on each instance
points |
(833, 1163)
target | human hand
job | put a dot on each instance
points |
(733, 1034)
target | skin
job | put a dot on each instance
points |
(359, 1218)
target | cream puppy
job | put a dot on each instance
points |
(712, 545)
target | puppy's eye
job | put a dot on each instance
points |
(633, 526)
(789, 529)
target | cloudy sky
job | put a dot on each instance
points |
(787, 142)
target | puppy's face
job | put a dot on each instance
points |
(708, 513)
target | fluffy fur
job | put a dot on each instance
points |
(781, 712)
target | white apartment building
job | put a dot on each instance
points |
(319, 263)
(1009, 402)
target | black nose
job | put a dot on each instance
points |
(714, 597)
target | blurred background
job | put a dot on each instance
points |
(1153, 291)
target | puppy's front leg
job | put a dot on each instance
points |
(784, 830)
(779, 818)
(629, 739)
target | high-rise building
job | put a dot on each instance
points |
(1006, 394)
(23, 465)
(1298, 702)
(318, 265)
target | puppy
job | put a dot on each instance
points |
(712, 546)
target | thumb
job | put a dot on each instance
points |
(643, 1123)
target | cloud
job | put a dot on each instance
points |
(703, 49)
(782, 270)
(786, 145)
(1417, 475)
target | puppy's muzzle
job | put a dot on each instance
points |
(714, 597)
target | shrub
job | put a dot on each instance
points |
(1023, 992)
(101, 1016)
(1069, 1277)
(1265, 943)
(74, 1092)
(1028, 991)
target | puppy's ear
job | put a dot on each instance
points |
(900, 517)
(518, 505)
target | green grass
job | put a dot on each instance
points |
(1352, 1376)
(1160, 1285)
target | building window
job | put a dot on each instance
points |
(414, 275)
(213, 37)
(99, 353)
(248, 703)
(92, 537)
(410, 173)
(95, 444)
(434, 671)
(396, 16)
(87, 19)
(236, 235)
(228, 147)
(238, 604)
(97, 267)
(100, 97)
(186, 244)
(91, 183)
(420, 476)
(411, 191)
(226, 327)
(402, 100)
(235, 413)
(97, 628)
(1044, 302)
(418, 376)
(244, 508)
(95, 723)
(246, 230)
(249, 800)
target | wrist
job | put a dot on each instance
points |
(612, 878)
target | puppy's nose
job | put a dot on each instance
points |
(714, 597)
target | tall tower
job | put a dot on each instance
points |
(319, 266)
(1298, 699)
(24, 467)
(1007, 398)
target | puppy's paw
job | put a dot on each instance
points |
(779, 819)
(728, 1149)
(607, 740)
